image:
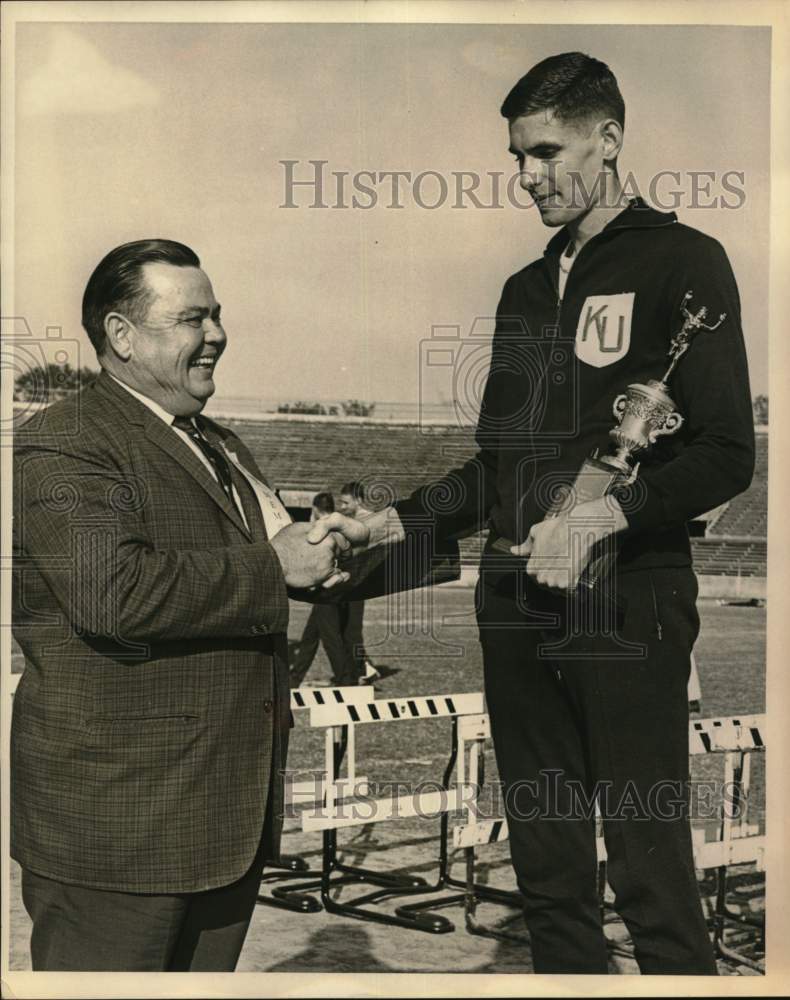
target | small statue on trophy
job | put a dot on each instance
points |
(644, 413)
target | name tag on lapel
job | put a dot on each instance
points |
(275, 516)
(603, 333)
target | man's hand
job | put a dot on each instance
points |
(382, 527)
(559, 548)
(309, 553)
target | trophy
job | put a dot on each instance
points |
(643, 413)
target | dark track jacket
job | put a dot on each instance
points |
(557, 367)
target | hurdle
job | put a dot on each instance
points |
(737, 738)
(335, 815)
(287, 867)
(474, 731)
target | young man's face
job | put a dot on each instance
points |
(347, 504)
(561, 165)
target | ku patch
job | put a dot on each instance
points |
(603, 334)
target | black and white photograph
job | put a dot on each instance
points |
(385, 513)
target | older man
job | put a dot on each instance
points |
(152, 559)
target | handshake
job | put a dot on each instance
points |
(312, 555)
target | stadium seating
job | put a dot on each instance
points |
(747, 515)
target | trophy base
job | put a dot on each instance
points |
(595, 479)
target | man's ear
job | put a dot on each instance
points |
(119, 333)
(611, 133)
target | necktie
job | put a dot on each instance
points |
(218, 461)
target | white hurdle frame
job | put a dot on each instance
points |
(334, 814)
(737, 737)
(394, 807)
(309, 698)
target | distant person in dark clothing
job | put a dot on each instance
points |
(353, 503)
(326, 624)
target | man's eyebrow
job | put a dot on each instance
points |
(544, 144)
(199, 311)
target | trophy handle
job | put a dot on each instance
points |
(672, 423)
(618, 407)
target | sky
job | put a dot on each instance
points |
(125, 131)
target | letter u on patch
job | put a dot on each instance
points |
(603, 334)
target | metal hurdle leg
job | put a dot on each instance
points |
(738, 772)
(473, 729)
(333, 874)
(296, 897)
(287, 867)
(419, 916)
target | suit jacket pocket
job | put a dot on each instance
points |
(163, 730)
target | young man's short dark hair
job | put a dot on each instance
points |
(324, 502)
(354, 489)
(572, 85)
(117, 283)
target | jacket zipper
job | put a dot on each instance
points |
(659, 629)
(605, 231)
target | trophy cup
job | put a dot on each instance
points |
(644, 413)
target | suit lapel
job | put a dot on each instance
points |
(249, 501)
(160, 434)
(169, 440)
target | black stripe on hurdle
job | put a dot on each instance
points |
(449, 703)
(432, 707)
(299, 699)
(413, 708)
(352, 711)
(393, 707)
(338, 696)
(718, 722)
(495, 831)
(319, 698)
(736, 722)
(758, 740)
(374, 712)
(705, 741)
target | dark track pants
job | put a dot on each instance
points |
(326, 623)
(594, 710)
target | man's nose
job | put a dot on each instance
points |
(530, 174)
(214, 333)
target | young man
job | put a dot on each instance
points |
(587, 695)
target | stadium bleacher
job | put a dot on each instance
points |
(747, 515)
(394, 458)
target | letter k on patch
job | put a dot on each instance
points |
(603, 334)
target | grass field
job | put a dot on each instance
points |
(730, 655)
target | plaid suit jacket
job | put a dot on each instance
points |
(152, 717)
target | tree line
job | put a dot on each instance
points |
(47, 383)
